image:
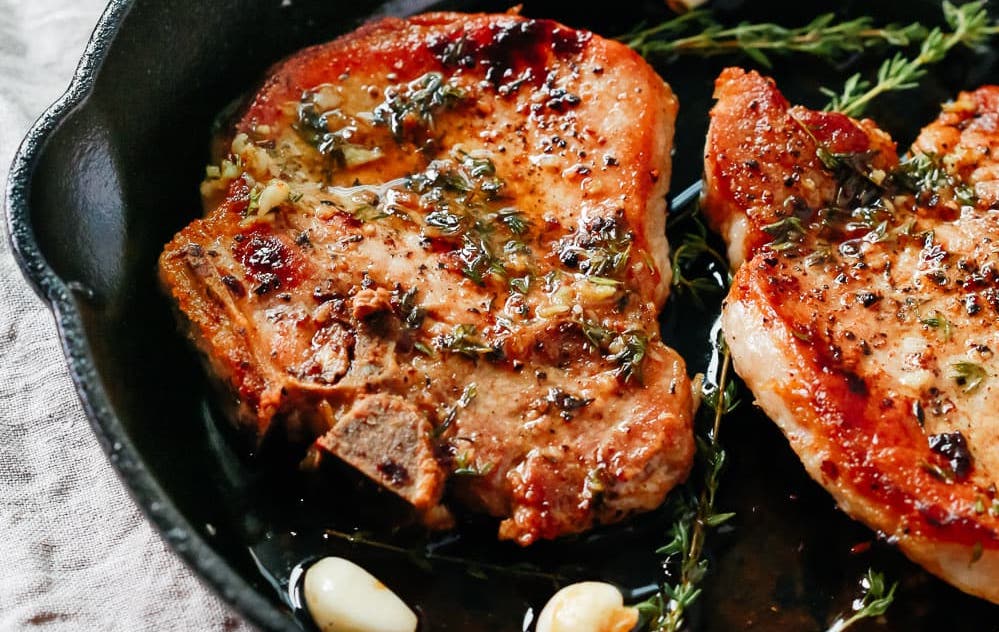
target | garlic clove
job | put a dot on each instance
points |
(587, 607)
(343, 597)
(274, 194)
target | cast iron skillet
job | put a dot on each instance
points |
(110, 172)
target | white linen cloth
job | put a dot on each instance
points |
(75, 552)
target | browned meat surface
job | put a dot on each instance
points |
(865, 316)
(763, 161)
(435, 248)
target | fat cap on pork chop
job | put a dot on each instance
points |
(864, 316)
(436, 250)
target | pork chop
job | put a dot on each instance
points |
(864, 318)
(435, 248)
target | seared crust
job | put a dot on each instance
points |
(760, 162)
(627, 110)
(871, 345)
(452, 222)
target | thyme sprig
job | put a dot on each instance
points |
(424, 556)
(693, 248)
(823, 37)
(971, 28)
(875, 598)
(696, 516)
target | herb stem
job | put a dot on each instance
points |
(639, 38)
(425, 554)
(692, 567)
(720, 404)
(873, 602)
(971, 28)
(822, 37)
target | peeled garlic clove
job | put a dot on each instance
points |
(343, 597)
(587, 607)
(274, 194)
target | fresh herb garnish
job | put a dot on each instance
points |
(411, 313)
(460, 191)
(939, 322)
(968, 375)
(598, 335)
(924, 176)
(786, 233)
(688, 254)
(514, 220)
(444, 221)
(465, 465)
(367, 213)
(823, 37)
(473, 178)
(464, 340)
(628, 351)
(469, 393)
(695, 517)
(477, 257)
(313, 126)
(971, 27)
(423, 348)
(600, 248)
(874, 601)
(415, 104)
(520, 284)
(858, 205)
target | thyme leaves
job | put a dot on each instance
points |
(414, 105)
(601, 248)
(924, 176)
(876, 596)
(786, 233)
(466, 465)
(330, 132)
(695, 516)
(469, 393)
(940, 323)
(410, 312)
(460, 193)
(465, 340)
(687, 262)
(625, 349)
(699, 33)
(968, 375)
(970, 27)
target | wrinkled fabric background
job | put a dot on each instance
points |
(75, 552)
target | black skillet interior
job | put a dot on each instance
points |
(104, 183)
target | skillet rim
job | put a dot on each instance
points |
(209, 566)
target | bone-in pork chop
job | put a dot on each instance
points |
(435, 249)
(864, 318)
